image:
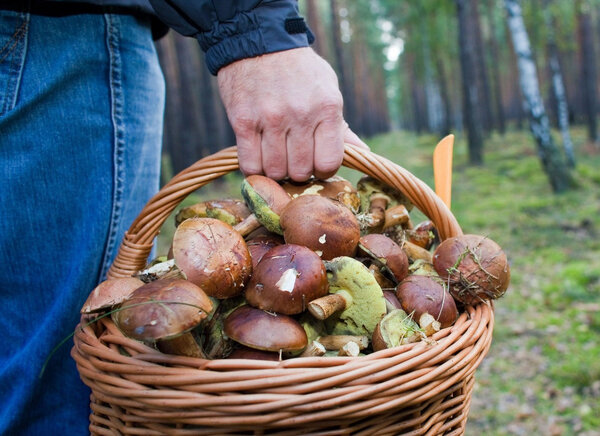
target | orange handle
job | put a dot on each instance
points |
(442, 169)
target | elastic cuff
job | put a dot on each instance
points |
(263, 30)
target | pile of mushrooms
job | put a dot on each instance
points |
(321, 268)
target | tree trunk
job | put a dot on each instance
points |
(471, 98)
(446, 126)
(340, 62)
(558, 87)
(495, 52)
(556, 170)
(316, 25)
(432, 92)
(485, 100)
(588, 68)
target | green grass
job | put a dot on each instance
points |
(542, 374)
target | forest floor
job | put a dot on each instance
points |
(542, 373)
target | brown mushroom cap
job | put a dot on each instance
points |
(423, 234)
(474, 266)
(250, 353)
(336, 188)
(422, 294)
(260, 243)
(386, 253)
(258, 329)
(286, 279)
(213, 256)
(321, 224)
(162, 309)
(109, 293)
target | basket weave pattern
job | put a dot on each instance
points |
(418, 389)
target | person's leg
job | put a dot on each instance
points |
(81, 106)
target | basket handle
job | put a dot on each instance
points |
(137, 243)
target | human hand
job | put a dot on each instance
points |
(286, 111)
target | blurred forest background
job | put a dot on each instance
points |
(517, 83)
(425, 66)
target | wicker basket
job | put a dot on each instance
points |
(417, 389)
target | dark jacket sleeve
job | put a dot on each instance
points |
(229, 30)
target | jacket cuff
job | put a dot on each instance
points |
(270, 27)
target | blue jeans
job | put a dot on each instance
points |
(81, 112)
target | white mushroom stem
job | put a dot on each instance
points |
(350, 349)
(377, 205)
(324, 307)
(247, 225)
(428, 324)
(314, 349)
(337, 342)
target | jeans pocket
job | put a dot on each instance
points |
(13, 43)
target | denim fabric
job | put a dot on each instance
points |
(81, 110)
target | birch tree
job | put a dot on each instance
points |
(558, 87)
(557, 171)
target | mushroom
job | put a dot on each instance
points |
(375, 198)
(215, 342)
(110, 293)
(336, 342)
(163, 312)
(259, 243)
(421, 267)
(397, 217)
(266, 331)
(160, 268)
(228, 210)
(213, 256)
(420, 295)
(350, 349)
(336, 188)
(242, 352)
(396, 328)
(266, 199)
(386, 254)
(391, 301)
(423, 234)
(381, 278)
(321, 224)
(414, 252)
(474, 266)
(314, 328)
(355, 304)
(314, 349)
(286, 279)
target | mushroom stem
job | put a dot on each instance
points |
(377, 206)
(349, 349)
(337, 342)
(429, 324)
(324, 307)
(314, 349)
(247, 225)
(414, 252)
